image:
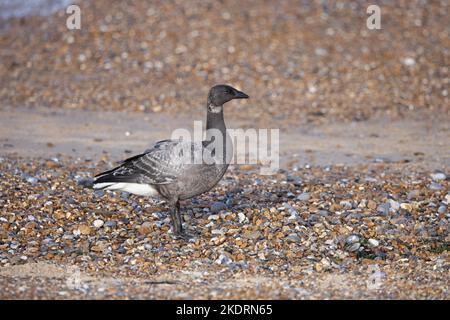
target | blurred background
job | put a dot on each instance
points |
(300, 61)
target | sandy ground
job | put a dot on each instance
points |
(45, 133)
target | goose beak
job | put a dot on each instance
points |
(240, 95)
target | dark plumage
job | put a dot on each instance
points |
(164, 171)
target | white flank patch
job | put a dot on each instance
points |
(134, 188)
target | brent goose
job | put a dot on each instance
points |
(163, 170)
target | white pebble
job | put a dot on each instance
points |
(373, 243)
(98, 223)
(409, 61)
(438, 176)
(394, 205)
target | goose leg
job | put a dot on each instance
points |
(175, 216)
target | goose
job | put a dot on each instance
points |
(177, 170)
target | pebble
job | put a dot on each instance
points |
(304, 196)
(111, 224)
(435, 186)
(354, 247)
(353, 238)
(145, 228)
(218, 206)
(438, 176)
(253, 235)
(32, 180)
(442, 209)
(346, 204)
(406, 206)
(393, 205)
(408, 61)
(99, 193)
(292, 211)
(414, 194)
(373, 243)
(371, 204)
(86, 182)
(293, 238)
(241, 217)
(84, 229)
(224, 260)
(98, 223)
(352, 243)
(383, 209)
(290, 195)
(447, 199)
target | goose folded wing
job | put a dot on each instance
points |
(156, 166)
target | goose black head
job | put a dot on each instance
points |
(221, 94)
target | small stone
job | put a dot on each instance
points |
(223, 259)
(318, 266)
(345, 204)
(393, 205)
(157, 108)
(292, 211)
(217, 232)
(354, 247)
(371, 204)
(99, 193)
(145, 228)
(321, 51)
(217, 207)
(293, 238)
(383, 209)
(325, 262)
(437, 176)
(442, 209)
(304, 196)
(98, 223)
(406, 206)
(447, 199)
(435, 186)
(353, 238)
(409, 61)
(110, 224)
(253, 235)
(362, 203)
(290, 195)
(84, 229)
(413, 194)
(86, 182)
(373, 243)
(241, 217)
(32, 180)
(352, 243)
